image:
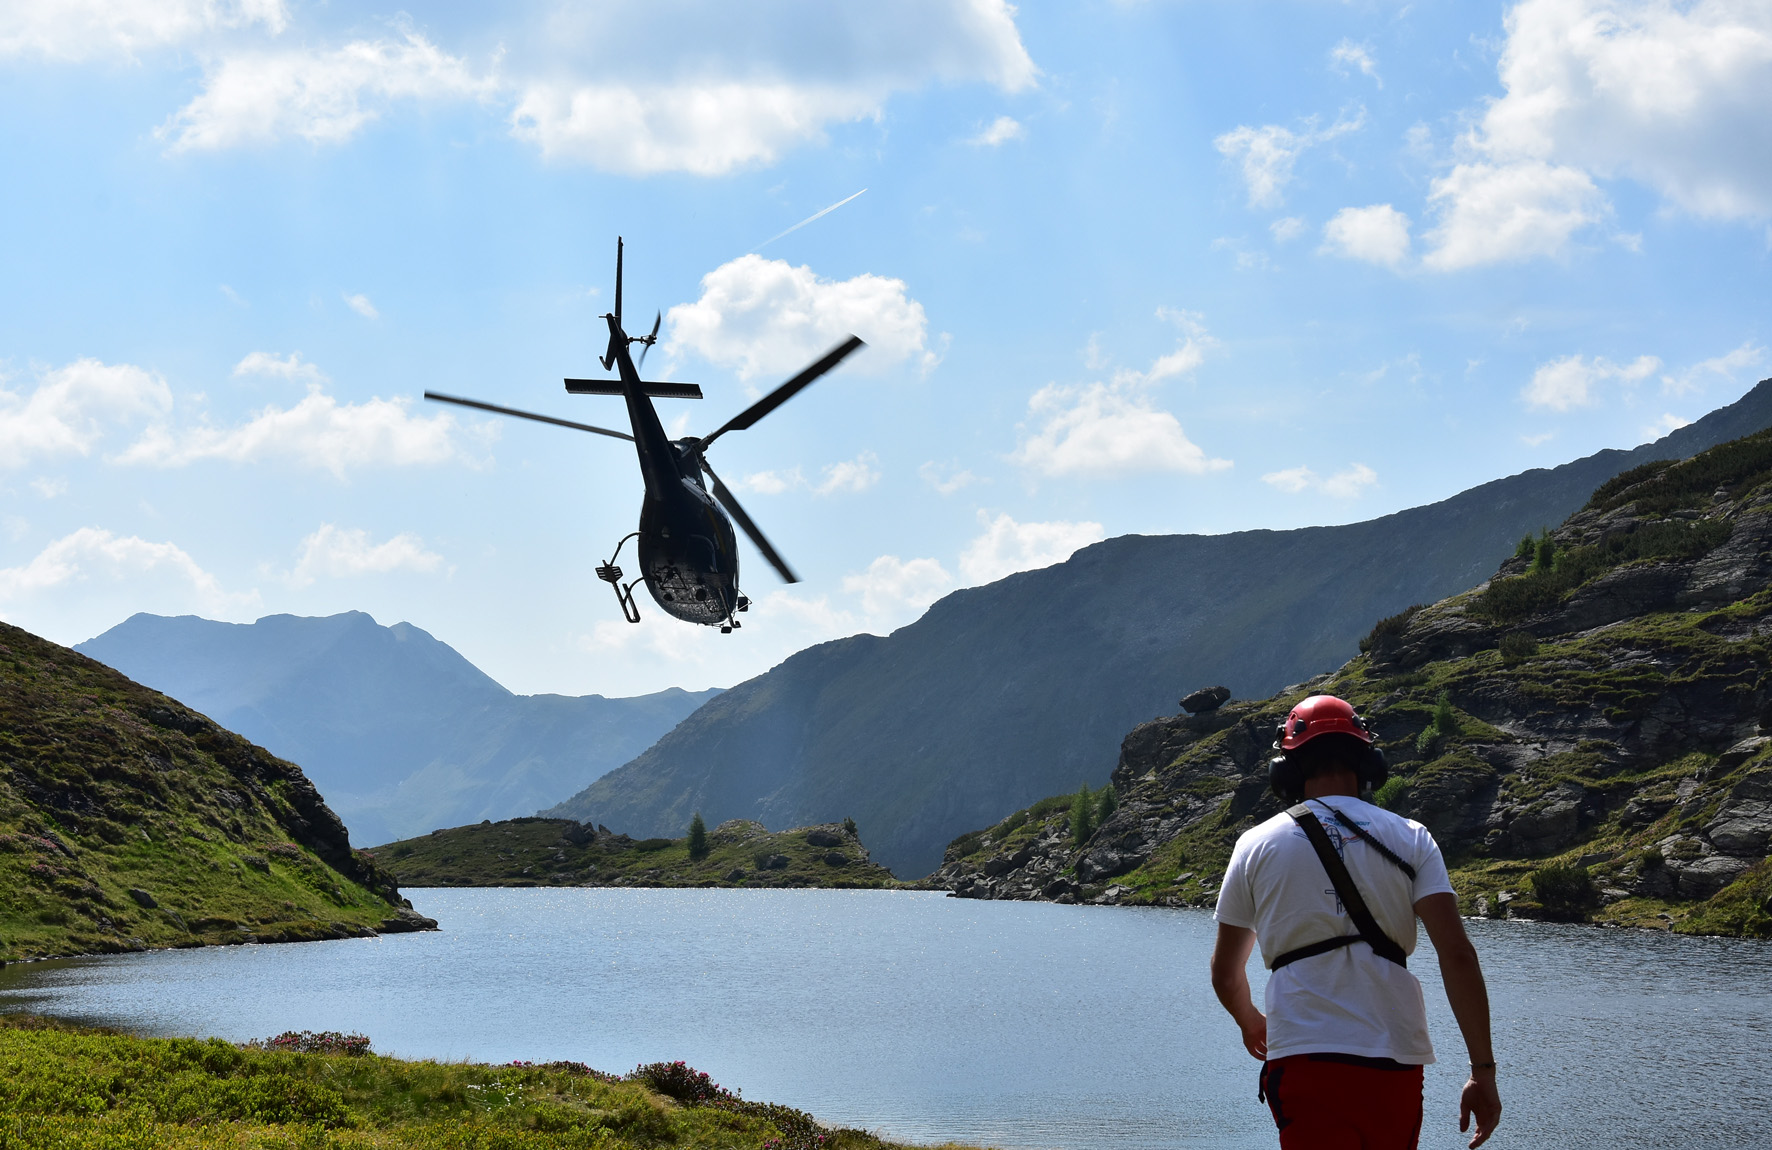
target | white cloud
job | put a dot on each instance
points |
(1538, 440)
(1005, 546)
(68, 411)
(1113, 428)
(1672, 95)
(319, 432)
(947, 479)
(1495, 213)
(92, 554)
(1001, 131)
(332, 552)
(323, 96)
(762, 316)
(1348, 483)
(1286, 228)
(893, 589)
(1101, 430)
(82, 29)
(1348, 54)
(773, 482)
(49, 488)
(267, 363)
(1570, 382)
(360, 304)
(743, 84)
(1378, 235)
(852, 475)
(849, 476)
(1267, 154)
(1723, 366)
(1667, 423)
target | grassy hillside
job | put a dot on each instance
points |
(128, 821)
(1004, 693)
(1585, 734)
(560, 852)
(72, 1088)
(398, 730)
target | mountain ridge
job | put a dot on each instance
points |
(1001, 694)
(401, 732)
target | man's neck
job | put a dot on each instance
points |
(1342, 784)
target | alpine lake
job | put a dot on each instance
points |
(1014, 1025)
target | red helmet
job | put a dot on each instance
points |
(1321, 715)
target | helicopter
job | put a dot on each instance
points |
(687, 551)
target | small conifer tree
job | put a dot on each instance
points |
(1106, 804)
(849, 828)
(1082, 816)
(1544, 556)
(698, 838)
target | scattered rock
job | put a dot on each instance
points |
(823, 838)
(143, 899)
(1206, 699)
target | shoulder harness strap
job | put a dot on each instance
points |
(1370, 932)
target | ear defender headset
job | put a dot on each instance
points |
(1322, 715)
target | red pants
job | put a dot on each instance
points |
(1341, 1102)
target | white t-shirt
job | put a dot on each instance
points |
(1347, 1000)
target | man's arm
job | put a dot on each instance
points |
(1230, 981)
(1469, 997)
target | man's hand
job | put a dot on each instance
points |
(1480, 1098)
(1254, 1028)
(1230, 981)
(1462, 975)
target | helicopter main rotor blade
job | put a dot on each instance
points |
(750, 528)
(786, 391)
(474, 403)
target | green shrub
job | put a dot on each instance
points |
(1082, 816)
(849, 828)
(1544, 586)
(698, 838)
(654, 844)
(1048, 805)
(1444, 725)
(1567, 893)
(1388, 628)
(1390, 793)
(1524, 550)
(1656, 488)
(1517, 645)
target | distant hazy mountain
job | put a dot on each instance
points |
(1002, 694)
(399, 732)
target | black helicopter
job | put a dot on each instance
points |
(688, 554)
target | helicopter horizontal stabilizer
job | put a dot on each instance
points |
(613, 387)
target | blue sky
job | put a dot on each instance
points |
(1123, 268)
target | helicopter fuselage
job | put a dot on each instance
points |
(688, 551)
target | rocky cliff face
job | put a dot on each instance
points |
(1595, 715)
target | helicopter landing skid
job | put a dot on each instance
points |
(611, 574)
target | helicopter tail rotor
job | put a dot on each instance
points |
(650, 339)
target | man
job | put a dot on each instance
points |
(1345, 1036)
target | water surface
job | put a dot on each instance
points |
(1018, 1025)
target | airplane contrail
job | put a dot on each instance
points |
(804, 222)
